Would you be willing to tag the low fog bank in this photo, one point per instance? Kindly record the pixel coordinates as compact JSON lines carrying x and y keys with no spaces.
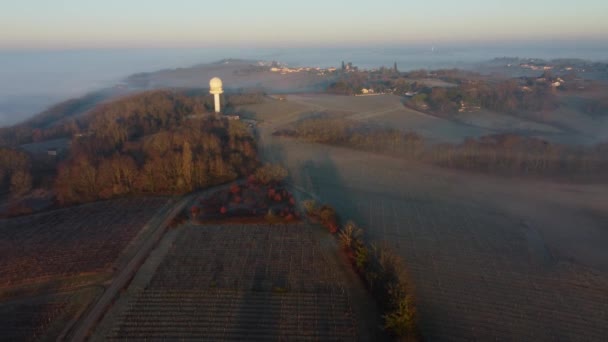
{"x":31,"y":81}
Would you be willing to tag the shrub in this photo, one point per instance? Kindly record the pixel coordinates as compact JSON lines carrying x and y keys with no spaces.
{"x":271,"y":173}
{"x":235,"y":189}
{"x":402,"y":320}
{"x":310,"y":206}
{"x":327,"y":214}
{"x":271,"y":217}
{"x":361,"y":256}
{"x":386,"y":279}
{"x":349,"y":235}
{"x":178,"y":219}
{"x":195,"y":210}
{"x":329,"y":218}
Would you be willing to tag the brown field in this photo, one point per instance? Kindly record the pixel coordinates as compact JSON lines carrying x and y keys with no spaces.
{"x":491,"y":258}
{"x":43,"y":318}
{"x":53,"y":264}
{"x":69,"y":242}
{"x":242,"y":282}
{"x":29,"y":321}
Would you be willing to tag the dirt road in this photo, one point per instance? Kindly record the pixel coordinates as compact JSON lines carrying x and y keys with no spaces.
{"x":159,"y":225}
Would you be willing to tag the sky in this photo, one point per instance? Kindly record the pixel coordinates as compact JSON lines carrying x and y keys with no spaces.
{"x":73,"y":24}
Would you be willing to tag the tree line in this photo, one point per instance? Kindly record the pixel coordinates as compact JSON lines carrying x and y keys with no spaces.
{"x":384,"y":272}
{"x":499,"y":153}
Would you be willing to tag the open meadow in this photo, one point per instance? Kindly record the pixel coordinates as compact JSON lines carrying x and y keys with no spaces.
{"x":491,"y":258}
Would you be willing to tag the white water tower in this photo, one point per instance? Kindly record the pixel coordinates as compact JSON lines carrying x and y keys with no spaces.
{"x":215,"y":88}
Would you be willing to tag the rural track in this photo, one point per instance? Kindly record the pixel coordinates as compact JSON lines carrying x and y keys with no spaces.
{"x":161,"y":222}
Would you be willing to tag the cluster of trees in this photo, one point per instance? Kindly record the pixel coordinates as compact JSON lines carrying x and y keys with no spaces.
{"x":270,"y":173}
{"x":325,"y":214}
{"x":149,"y":144}
{"x":156,"y":142}
{"x":130,"y":118}
{"x":15,"y":172}
{"x":384,"y":80}
{"x":26,"y":133}
{"x":390,"y":80}
{"x":346,"y":87}
{"x":385,"y":275}
{"x":502,"y":153}
{"x":58,"y":121}
{"x":357,"y":135}
{"x":504,"y":96}
{"x":147,"y":112}
{"x":514,"y":154}
{"x":382,"y":270}
{"x":508,"y":96}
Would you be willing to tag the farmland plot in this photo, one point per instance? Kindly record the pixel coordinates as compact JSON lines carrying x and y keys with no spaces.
{"x":70,"y":242}
{"x":29,"y":321}
{"x":479,"y":276}
{"x":490,"y":258}
{"x":248,"y":282}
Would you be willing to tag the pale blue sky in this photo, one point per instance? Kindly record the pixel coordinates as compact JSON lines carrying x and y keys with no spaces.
{"x":60,"y":24}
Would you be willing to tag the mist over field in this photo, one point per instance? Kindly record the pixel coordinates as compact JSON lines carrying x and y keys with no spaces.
{"x":31,"y":81}
{"x":303,"y":170}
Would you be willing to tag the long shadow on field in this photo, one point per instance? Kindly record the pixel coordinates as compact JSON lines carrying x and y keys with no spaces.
{"x":323,"y":179}
{"x":312,"y":174}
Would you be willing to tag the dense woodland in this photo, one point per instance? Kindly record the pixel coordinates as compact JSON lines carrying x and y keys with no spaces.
{"x":154,"y":143}
{"x":501,"y":153}
{"x":158,"y":142}
{"x":72,"y":117}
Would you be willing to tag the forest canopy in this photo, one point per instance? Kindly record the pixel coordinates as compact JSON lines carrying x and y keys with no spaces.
{"x":157,"y":142}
